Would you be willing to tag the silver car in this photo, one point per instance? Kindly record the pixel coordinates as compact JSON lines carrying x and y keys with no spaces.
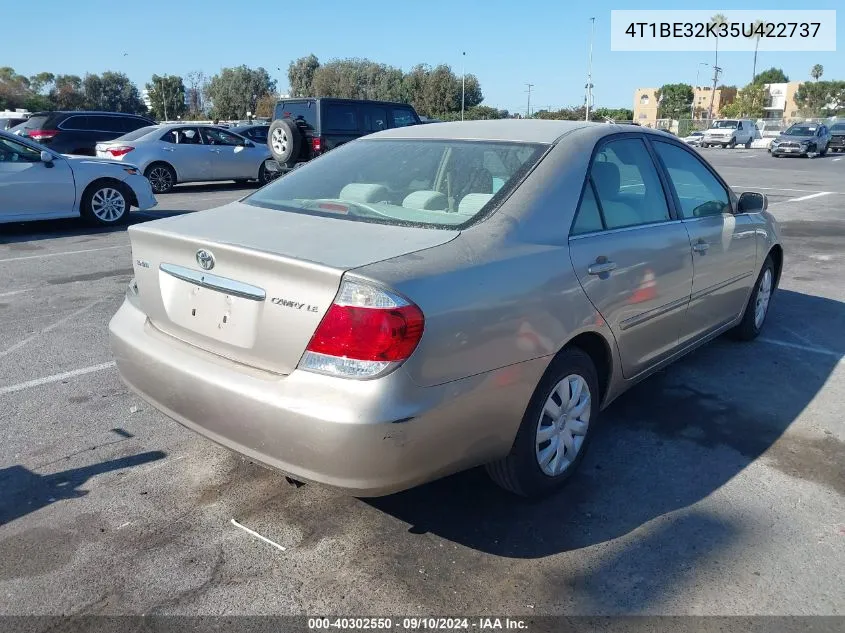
{"x":431,"y":298}
{"x":171,"y":154}
{"x":37,"y":183}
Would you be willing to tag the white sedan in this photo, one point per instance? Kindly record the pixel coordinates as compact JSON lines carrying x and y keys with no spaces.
{"x":38,"y":184}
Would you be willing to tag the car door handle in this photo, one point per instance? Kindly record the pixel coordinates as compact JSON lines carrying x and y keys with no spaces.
{"x":601,"y":268}
{"x":216,"y":151}
{"x":167,"y":149}
{"x":700,"y":247}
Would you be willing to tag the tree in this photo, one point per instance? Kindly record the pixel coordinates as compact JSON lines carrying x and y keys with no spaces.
{"x":615,"y":114}
{"x":301,"y":75}
{"x":67,"y":93}
{"x":820,"y":98}
{"x":817,"y":71}
{"x":749,"y":102}
{"x":771,"y":76}
{"x":197,"y":84}
{"x":265,"y":106}
{"x":41,"y":82}
{"x":112,"y":92}
{"x":756,"y":33}
{"x":167,"y":97}
{"x":236,"y":91}
{"x":675,"y":101}
{"x":14,"y":88}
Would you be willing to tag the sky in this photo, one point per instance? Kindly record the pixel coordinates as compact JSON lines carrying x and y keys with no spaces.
{"x":508,"y":44}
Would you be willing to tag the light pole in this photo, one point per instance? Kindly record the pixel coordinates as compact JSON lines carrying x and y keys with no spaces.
{"x":463,"y":82}
{"x":528,"y":111}
{"x":590,"y":71}
{"x":697,"y":75}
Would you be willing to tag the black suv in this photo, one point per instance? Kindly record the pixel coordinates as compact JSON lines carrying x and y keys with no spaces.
{"x":304,"y":128}
{"x":79,"y":132}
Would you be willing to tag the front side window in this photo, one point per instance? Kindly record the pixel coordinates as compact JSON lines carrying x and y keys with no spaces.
{"x":699,"y":191}
{"x":375,"y":118}
{"x":14,"y":152}
{"x":212,"y":136}
{"x":627,"y":186}
{"x":428,"y":183}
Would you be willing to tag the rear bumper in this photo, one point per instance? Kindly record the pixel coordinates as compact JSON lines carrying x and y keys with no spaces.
{"x":369,"y":438}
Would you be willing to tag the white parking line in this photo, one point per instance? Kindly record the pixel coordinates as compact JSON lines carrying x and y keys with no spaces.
{"x":46,"y":380}
{"x":804,"y":348}
{"x":836,"y":160}
{"x":14,"y":292}
{"x":258,"y":536}
{"x":810,"y":197}
{"x":87,"y":250}
{"x":44,"y":330}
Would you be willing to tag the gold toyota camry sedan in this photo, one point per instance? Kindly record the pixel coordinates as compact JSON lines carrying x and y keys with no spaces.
{"x":432,"y":298}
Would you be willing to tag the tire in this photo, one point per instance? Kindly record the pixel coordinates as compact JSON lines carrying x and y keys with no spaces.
{"x":264,"y":175}
{"x":285,"y":141}
{"x":731,"y":143}
{"x":520,"y":472}
{"x":162,"y":177}
{"x":752,"y":323}
{"x":105,"y":203}
{"x":748,"y":143}
{"x":823,"y":152}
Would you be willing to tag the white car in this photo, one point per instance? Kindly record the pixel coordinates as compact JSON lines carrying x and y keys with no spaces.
{"x":189,"y":152}
{"x":694,"y":138}
{"x":730,"y":133}
{"x":38,"y":184}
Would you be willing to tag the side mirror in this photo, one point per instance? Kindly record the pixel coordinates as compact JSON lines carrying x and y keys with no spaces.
{"x":752,"y":202}
{"x":46,"y":157}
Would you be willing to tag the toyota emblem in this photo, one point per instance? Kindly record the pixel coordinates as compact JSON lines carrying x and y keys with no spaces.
{"x":205,"y":259}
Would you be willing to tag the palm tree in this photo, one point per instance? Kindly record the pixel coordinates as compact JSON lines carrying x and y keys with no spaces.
{"x":817,"y":71}
{"x":716,"y":20}
{"x":755,"y":34}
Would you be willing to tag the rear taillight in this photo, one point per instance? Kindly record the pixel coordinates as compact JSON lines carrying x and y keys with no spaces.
{"x":316,"y":144}
{"x":119,"y":151}
{"x":41,"y":135}
{"x":365,"y":333}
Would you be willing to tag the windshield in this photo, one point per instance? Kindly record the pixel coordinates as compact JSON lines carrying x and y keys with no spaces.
{"x":801,"y":130}
{"x":141,"y":131}
{"x":724,"y":125}
{"x":434,"y":183}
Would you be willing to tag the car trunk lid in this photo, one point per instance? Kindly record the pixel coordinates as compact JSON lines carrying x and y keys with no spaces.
{"x":252,"y":284}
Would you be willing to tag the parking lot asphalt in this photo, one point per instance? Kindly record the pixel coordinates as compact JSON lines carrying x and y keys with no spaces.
{"x":714,"y":487}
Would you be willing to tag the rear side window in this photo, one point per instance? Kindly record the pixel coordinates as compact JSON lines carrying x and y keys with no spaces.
{"x":627,"y":186}
{"x":182,"y":136}
{"x":341,"y":117}
{"x":76,"y":123}
{"x":403,"y":117}
{"x":375,"y":118}
{"x":106,"y":124}
{"x":305,"y":112}
{"x":588,"y":218}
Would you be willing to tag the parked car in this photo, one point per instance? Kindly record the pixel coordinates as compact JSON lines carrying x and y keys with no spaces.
{"x":302,"y":129}
{"x":802,"y":139}
{"x":172,"y":154}
{"x":78,"y":132}
{"x":837,"y":137}
{"x":694,"y":138}
{"x":38,"y":183}
{"x":255,"y":133}
{"x":11,"y":118}
{"x":730,"y":133}
{"x":388,"y":314}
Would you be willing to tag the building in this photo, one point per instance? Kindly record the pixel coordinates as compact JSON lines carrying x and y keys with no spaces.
{"x":646,"y":103}
{"x":780,"y":101}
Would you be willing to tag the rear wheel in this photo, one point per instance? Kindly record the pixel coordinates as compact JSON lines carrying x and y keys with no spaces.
{"x":748,"y":143}
{"x":555,"y":430}
{"x":162,"y":177}
{"x":824,"y":151}
{"x":105,"y":203}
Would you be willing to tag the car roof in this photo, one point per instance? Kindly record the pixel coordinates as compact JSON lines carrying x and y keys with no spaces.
{"x":518,"y":130}
{"x":343,"y":100}
{"x":69,"y":112}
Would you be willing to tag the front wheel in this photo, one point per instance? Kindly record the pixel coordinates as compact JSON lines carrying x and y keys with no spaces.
{"x":105,"y":203}
{"x":731,"y":144}
{"x":748,"y":144}
{"x":555,"y":430}
{"x":824,"y":151}
{"x":757,"y":307}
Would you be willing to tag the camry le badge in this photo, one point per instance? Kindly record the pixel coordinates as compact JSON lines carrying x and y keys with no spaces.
{"x":205,"y":259}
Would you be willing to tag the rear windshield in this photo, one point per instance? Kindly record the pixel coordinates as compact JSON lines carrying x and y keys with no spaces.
{"x":431,"y":183}
{"x":303,"y":111}
{"x":35,"y":122}
{"x":141,"y":131}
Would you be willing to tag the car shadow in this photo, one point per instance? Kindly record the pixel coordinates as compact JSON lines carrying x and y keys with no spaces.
{"x":25,"y":491}
{"x":209,"y":187}
{"x":19,"y":232}
{"x":666,"y":444}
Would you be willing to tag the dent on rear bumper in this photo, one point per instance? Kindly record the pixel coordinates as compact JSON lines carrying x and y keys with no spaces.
{"x":367,"y":437}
